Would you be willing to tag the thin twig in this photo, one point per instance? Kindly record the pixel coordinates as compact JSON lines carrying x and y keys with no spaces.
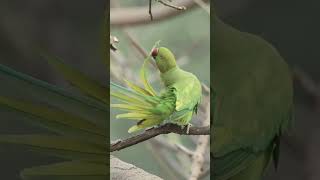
{"x":308,"y":85}
{"x":150,"y":11}
{"x":137,"y":15}
{"x":184,"y":149}
{"x":172,"y":6}
{"x":205,"y":88}
{"x":113,"y":41}
{"x":175,"y":166}
{"x":203,"y":5}
{"x":120,"y":69}
{"x":135,"y":43}
{"x":137,"y":46}
{"x":177,"y":148}
{"x":172,"y":168}
{"x":153,"y":132}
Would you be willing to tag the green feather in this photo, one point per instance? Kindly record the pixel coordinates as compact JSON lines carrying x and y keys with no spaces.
{"x":78,"y":79}
{"x":130,"y":107}
{"x":143,"y":74}
{"x":137,"y":116}
{"x":134,"y":94}
{"x":144,"y":124}
{"x":55,"y":96}
{"x":138,"y":89}
{"x":57,"y":120}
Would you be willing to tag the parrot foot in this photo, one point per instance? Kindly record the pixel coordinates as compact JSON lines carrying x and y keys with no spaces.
{"x":188,"y":127}
{"x":148,"y":129}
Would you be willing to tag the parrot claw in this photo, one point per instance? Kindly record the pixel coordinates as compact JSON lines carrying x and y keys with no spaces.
{"x":148,"y":129}
{"x":188,"y":127}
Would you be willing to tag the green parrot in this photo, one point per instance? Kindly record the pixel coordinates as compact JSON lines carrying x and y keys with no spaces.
{"x":176,"y":103}
{"x":252,"y":103}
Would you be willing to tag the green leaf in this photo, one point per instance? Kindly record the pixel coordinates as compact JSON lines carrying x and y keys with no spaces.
{"x":73,"y":170}
{"x":58,"y":120}
{"x":22,"y":86}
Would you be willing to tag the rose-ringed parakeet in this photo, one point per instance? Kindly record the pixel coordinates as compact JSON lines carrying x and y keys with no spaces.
{"x":176,"y":103}
{"x":252,"y":103}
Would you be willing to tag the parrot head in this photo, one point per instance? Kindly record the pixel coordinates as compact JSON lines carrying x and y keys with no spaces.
{"x":164,"y":58}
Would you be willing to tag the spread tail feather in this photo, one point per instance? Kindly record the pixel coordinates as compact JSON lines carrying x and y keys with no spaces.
{"x":139,"y":103}
{"x":143,"y":124}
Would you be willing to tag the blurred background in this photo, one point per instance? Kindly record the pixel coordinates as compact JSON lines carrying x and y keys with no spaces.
{"x":69,"y":29}
{"x":187,"y":34}
{"x":291,"y":27}
{"x":72,"y":30}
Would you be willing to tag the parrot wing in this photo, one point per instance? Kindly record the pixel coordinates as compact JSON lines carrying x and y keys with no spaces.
{"x":78,"y":79}
{"x":254,"y":95}
{"x":252,"y":103}
{"x":188,"y":93}
{"x":141,"y":105}
{"x":241,"y":164}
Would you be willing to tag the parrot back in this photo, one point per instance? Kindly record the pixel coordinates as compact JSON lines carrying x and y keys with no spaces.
{"x":187,"y":90}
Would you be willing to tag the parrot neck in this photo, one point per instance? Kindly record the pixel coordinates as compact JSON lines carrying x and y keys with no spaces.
{"x":165,"y":60}
{"x":171,"y":76}
{"x":170,"y":70}
{"x":165,"y":67}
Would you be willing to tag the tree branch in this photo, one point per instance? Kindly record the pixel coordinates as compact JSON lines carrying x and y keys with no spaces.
{"x":197,"y":166}
{"x":139,"y":15}
{"x":150,"y":11}
{"x":113,"y":41}
{"x":179,"y":8}
{"x":308,"y":85}
{"x":198,"y":162}
{"x":176,"y":148}
{"x":123,"y":171}
{"x":153,"y":132}
{"x":203,"y":5}
{"x":172,"y":167}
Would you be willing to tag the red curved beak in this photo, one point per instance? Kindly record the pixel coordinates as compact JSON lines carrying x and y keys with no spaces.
{"x":154,"y":52}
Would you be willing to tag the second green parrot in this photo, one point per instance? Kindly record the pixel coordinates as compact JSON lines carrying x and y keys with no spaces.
{"x":176,"y":103}
{"x":252,"y":103}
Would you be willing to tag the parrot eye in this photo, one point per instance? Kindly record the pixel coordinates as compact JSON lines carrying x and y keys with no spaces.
{"x":154,"y":52}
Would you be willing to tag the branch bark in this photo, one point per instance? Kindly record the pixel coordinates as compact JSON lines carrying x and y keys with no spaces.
{"x":153,"y":132}
{"x":139,"y":15}
{"x":123,"y":171}
{"x":197,"y":166}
